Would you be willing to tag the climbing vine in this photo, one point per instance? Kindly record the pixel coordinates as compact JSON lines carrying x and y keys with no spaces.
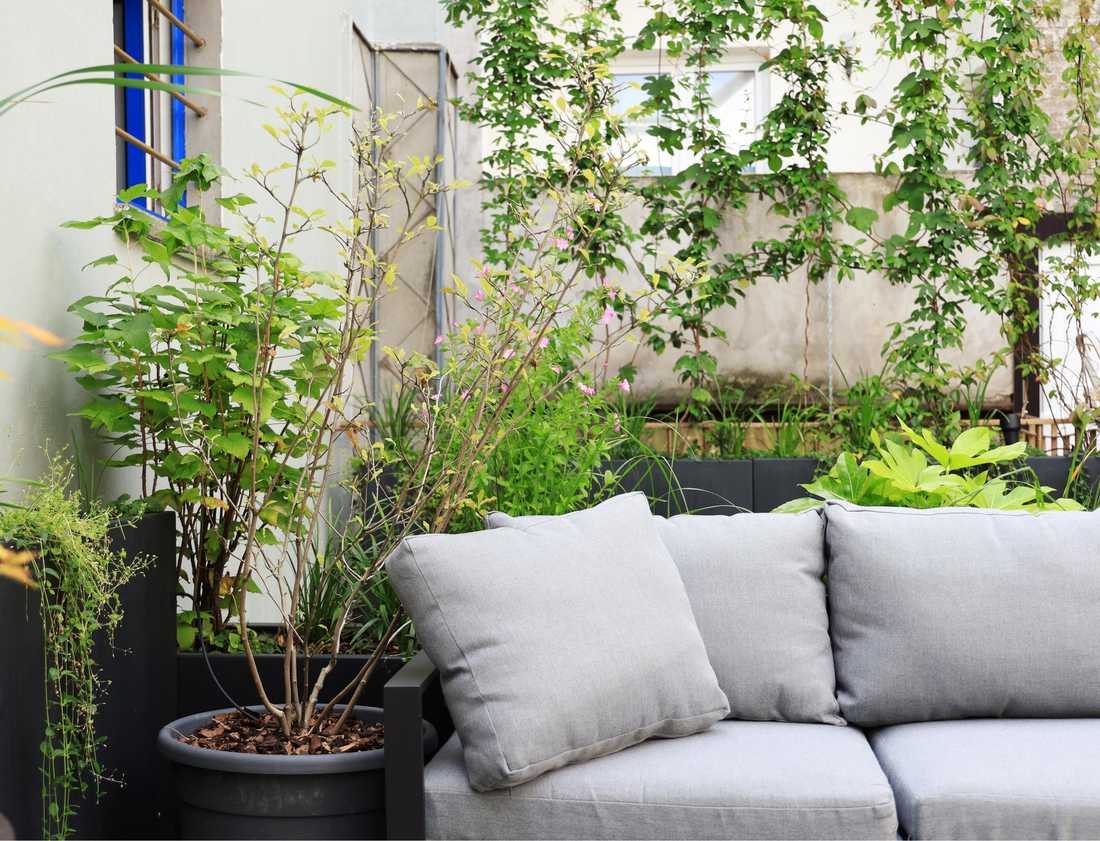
{"x":971,"y":165}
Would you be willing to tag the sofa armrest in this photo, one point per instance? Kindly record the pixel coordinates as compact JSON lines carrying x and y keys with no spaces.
{"x":403,"y":706}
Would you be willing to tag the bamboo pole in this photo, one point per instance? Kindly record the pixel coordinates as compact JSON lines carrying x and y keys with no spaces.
{"x":126,"y":58}
{"x":146,"y":148}
{"x":196,"y":39}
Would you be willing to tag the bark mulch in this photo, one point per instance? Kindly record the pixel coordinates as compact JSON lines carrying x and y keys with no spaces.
{"x":236,"y":733}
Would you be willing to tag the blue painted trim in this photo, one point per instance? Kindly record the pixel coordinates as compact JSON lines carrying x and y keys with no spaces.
{"x":179,"y":112}
{"x":133,"y":41}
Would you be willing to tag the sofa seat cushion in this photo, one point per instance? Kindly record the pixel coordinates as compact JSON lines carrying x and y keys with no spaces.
{"x":994,"y":778}
{"x":740,"y":779}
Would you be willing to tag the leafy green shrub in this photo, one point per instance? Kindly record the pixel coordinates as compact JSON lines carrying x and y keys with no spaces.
{"x":183,"y":377}
{"x":926,"y":474}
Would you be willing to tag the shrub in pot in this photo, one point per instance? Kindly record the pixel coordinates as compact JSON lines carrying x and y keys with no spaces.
{"x":244,"y":393}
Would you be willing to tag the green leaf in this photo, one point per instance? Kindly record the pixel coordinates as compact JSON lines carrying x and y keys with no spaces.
{"x":243,"y":395}
{"x":137,"y":331}
{"x":234,"y":443}
{"x":185,"y":636}
{"x":861,"y":218}
{"x":797,"y":506}
{"x":82,"y":358}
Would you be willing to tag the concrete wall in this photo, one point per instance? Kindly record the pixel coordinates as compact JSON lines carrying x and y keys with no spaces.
{"x":58,"y":164}
{"x":767,"y":331}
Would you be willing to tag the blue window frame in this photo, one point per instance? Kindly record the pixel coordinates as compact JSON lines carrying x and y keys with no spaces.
{"x":135,"y":114}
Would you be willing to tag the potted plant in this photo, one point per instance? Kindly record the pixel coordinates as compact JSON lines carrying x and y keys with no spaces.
{"x":230,"y":387}
{"x":85,"y":621}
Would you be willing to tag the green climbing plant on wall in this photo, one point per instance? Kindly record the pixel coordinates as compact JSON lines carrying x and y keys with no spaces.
{"x":970,"y":166}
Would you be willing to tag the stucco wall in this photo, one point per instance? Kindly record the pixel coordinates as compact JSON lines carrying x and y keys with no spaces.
{"x":766,"y":333}
{"x":58,"y":164}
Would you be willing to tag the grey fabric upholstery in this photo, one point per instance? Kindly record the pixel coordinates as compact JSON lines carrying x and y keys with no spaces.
{"x":754,"y":582}
{"x":994,"y":778}
{"x":736,"y":780}
{"x":568,"y":639}
{"x":963,"y":613}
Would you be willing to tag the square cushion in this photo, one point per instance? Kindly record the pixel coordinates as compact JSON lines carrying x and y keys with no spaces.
{"x":963,"y":613}
{"x":994,"y":778}
{"x":567,"y":639}
{"x":754,"y":583}
{"x":740,"y":779}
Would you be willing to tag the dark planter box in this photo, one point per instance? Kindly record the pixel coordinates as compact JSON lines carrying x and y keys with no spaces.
{"x":701,"y":487}
{"x":140,"y":697}
{"x":1053,"y":471}
{"x":198,"y":692}
{"x":778,"y":480}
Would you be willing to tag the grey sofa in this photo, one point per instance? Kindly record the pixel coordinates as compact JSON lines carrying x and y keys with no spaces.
{"x":966,"y":647}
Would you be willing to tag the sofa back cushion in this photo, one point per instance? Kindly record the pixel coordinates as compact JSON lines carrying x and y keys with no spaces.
{"x":755,"y":586}
{"x":960,"y":613}
{"x":557,"y":642}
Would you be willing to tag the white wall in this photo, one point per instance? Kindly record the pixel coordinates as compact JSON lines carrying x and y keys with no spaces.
{"x":58,"y":163}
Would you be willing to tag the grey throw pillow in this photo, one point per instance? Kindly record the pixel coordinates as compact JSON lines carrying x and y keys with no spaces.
{"x":755,"y":586}
{"x":960,"y":613}
{"x":561,"y":641}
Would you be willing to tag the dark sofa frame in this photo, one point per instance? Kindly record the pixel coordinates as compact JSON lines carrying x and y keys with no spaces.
{"x":410,"y":697}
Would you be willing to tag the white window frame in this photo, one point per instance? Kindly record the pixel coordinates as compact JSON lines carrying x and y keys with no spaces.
{"x":736,"y":60}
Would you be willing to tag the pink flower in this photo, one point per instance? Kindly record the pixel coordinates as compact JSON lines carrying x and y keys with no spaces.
{"x":556,"y":369}
{"x":594,"y":201}
{"x":484,"y":272}
{"x":558,"y":242}
{"x":508,"y":353}
{"x":479,"y":295}
{"x":618,"y":426}
{"x":624,"y":386}
{"x":544,"y":343}
{"x":438,"y":341}
{"x":586,"y":389}
{"x":608,"y":315}
{"x":569,"y":232}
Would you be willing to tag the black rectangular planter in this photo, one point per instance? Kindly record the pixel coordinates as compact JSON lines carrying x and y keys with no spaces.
{"x":702,"y":486}
{"x":1053,"y":471}
{"x":139,"y":698}
{"x":778,"y":480}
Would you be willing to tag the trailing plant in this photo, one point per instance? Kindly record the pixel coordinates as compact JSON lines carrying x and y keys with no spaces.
{"x":917,"y":471}
{"x":65,"y":540}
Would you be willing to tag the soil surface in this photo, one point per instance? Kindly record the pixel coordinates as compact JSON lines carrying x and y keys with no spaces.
{"x":237,"y":733}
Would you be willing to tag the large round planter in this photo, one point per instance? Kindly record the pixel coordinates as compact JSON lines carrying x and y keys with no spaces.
{"x":238,"y":795}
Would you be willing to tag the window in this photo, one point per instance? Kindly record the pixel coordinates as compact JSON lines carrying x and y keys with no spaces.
{"x":151,"y":125}
{"x":738,"y":91}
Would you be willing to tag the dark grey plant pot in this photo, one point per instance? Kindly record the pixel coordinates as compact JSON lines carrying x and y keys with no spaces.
{"x":241,"y":796}
{"x":779,"y":480}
